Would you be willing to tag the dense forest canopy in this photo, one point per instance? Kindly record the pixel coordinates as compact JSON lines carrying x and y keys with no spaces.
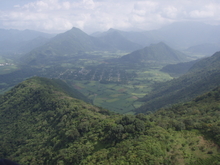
{"x":42,"y":124}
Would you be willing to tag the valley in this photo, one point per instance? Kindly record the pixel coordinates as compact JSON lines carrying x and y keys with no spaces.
{"x":107,"y":83}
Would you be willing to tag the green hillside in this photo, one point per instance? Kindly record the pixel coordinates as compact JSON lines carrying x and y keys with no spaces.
{"x":202,"y":77}
{"x":41,"y":124}
{"x":159,"y":53}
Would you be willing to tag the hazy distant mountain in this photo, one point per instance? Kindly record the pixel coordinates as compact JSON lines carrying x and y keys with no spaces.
{"x":156,"y":53}
{"x":202,"y":77}
{"x":140,"y":38}
{"x":32,"y":44}
{"x":187,"y":34}
{"x":22,"y":46}
{"x":118,"y":41}
{"x":17,"y":41}
{"x":179,"y":35}
{"x":21,"y":35}
{"x":204,"y":49}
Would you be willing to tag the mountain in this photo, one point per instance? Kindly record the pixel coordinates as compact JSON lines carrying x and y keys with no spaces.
{"x":21,"y":35}
{"x":32,"y":44}
{"x":41,"y":111}
{"x":179,"y":35}
{"x":118,"y":41}
{"x":41,"y":124}
{"x":17,"y":41}
{"x":160,"y":53}
{"x":64,"y":45}
{"x":17,"y":49}
{"x":143,"y":38}
{"x":204,"y":49}
{"x":202,"y":77}
{"x":179,"y":69}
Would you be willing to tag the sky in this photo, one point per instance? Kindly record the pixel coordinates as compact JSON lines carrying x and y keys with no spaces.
{"x":54,"y":16}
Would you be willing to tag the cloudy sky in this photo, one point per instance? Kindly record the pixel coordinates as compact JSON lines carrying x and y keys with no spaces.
{"x":99,"y":15}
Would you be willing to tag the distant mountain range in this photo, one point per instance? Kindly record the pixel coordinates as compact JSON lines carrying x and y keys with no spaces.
{"x":179,"y":35}
{"x":160,"y":53}
{"x":202,"y":77}
{"x":184,"y":36}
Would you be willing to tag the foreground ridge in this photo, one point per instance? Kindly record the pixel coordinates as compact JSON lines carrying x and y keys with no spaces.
{"x":42,"y":124}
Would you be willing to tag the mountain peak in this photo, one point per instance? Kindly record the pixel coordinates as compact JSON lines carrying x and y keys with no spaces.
{"x":159,"y":44}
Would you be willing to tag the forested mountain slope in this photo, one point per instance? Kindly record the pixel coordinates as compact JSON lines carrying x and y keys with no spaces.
{"x":41,"y":124}
{"x":202,"y":77}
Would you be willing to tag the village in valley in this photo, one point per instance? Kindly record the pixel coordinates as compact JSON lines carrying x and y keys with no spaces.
{"x":6,"y":64}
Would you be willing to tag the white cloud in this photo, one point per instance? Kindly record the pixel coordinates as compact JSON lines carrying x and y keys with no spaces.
{"x":170,"y":12}
{"x":94,"y":15}
{"x":201,"y":14}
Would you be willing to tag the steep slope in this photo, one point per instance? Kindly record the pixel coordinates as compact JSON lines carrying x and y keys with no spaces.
{"x":40,"y":124}
{"x":160,"y":53}
{"x":179,"y":69}
{"x":118,"y":41}
{"x":202,"y":77}
{"x":63,"y":46}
